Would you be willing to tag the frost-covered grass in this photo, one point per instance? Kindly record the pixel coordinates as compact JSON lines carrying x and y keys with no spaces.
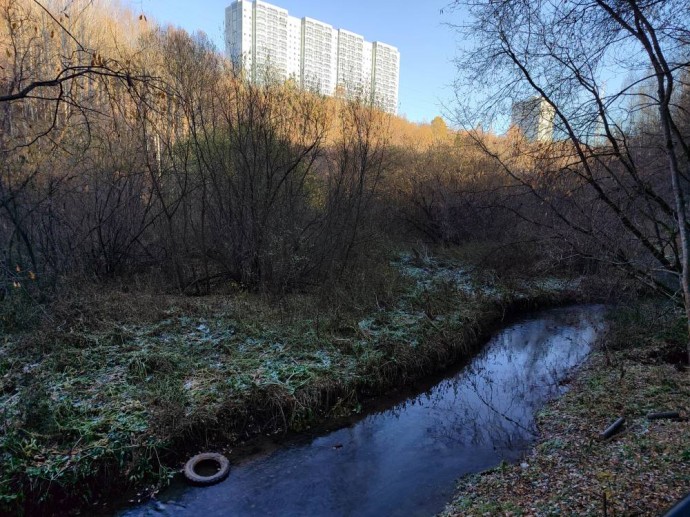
{"x":115,"y":387}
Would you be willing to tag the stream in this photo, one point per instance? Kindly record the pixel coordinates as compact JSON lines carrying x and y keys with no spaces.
{"x":405,"y":459}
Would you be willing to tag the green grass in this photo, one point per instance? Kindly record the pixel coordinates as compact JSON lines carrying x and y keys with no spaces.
{"x":111,"y":392}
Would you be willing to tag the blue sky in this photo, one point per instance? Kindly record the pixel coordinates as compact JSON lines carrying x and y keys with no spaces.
{"x":427,"y":46}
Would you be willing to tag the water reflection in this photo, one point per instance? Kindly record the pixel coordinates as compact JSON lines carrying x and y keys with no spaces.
{"x":405,"y":460}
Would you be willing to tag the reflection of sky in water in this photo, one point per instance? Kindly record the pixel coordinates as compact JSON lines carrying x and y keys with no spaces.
{"x":404,"y":461}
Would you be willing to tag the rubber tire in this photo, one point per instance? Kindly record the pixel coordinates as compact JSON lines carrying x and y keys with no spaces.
{"x":219,"y":476}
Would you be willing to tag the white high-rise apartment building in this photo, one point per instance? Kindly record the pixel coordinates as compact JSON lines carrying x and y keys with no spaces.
{"x":269,"y":43}
{"x":385,"y":80}
{"x":261,"y":34}
{"x":319,"y":56}
{"x":294,"y":57}
{"x":350,"y":61}
{"x":534,"y":117}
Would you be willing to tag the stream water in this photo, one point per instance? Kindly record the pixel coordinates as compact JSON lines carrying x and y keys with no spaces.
{"x":405,"y":459}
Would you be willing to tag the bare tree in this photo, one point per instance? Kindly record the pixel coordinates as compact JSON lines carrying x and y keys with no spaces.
{"x":47,"y":67}
{"x":62,"y":86}
{"x":598,"y":177}
{"x":265,"y":185}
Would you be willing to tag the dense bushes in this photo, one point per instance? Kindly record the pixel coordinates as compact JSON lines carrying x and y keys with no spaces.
{"x":196,"y":175}
{"x":191,"y":177}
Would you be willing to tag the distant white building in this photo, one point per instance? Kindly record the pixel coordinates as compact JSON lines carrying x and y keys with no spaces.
{"x":239,"y":33}
{"x":534,"y":117}
{"x":319,"y":56}
{"x":350,"y":72}
{"x":385,"y":76}
{"x":269,"y":43}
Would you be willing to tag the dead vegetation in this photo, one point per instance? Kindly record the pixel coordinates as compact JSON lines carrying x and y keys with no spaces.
{"x":643,"y":470}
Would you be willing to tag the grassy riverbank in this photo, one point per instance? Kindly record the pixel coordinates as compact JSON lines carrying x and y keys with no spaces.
{"x":641,"y":471}
{"x":114,"y":389}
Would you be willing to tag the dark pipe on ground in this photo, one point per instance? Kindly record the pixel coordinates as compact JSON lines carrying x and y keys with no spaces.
{"x":663,"y":415}
{"x":612,"y":429}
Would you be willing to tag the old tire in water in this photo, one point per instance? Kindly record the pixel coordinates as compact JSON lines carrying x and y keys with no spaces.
{"x":207,"y":460}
